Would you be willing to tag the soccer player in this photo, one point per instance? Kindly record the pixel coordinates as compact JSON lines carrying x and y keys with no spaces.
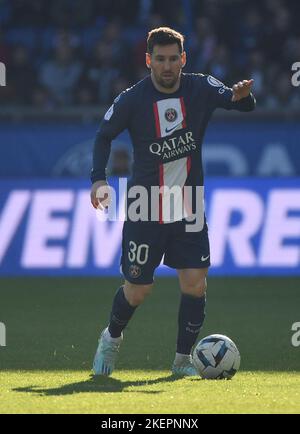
{"x":166,"y":115}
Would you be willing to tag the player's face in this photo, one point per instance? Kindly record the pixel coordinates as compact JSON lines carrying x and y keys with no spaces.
{"x":166,"y":63}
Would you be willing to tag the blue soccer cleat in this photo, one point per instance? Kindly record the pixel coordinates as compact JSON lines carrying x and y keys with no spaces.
{"x":185,"y":368}
{"x":106,"y":354}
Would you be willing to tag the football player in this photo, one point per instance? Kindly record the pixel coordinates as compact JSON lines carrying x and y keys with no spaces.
{"x":166,"y":115}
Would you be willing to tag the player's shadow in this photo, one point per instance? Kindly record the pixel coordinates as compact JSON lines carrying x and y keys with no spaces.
{"x":99,"y":384}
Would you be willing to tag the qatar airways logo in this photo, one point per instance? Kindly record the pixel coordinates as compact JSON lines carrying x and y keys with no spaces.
{"x":174,"y":147}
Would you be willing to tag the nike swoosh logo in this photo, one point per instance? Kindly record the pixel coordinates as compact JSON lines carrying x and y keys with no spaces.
{"x":169,"y":130}
{"x":204,"y":258}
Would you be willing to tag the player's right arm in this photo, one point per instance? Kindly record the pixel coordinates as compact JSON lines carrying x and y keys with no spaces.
{"x":115,"y":120}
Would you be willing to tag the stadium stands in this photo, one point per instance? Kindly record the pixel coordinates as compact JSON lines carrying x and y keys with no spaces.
{"x":104,"y":44}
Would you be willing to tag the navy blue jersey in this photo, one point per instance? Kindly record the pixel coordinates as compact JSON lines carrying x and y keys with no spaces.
{"x":166,"y":130}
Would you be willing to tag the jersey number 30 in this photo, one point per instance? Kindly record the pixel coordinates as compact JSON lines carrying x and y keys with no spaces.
{"x":137,"y":253}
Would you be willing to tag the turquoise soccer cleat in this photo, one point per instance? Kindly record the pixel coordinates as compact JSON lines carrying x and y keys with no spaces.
{"x":185,"y":368}
{"x":106,"y":354}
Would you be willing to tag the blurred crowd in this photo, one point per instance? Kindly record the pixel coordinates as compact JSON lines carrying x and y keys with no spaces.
{"x":85,"y":52}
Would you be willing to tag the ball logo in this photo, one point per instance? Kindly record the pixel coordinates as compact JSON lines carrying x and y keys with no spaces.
{"x":134,"y":271}
{"x":171,"y":115}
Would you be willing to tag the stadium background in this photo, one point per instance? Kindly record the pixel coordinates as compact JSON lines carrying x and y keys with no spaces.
{"x":65,"y":62}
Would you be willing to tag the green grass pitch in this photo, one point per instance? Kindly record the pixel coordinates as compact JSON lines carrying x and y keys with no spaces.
{"x":52,"y":326}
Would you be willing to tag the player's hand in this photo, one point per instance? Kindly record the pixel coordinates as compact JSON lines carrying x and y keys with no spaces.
{"x":241,"y":90}
{"x":100,"y":195}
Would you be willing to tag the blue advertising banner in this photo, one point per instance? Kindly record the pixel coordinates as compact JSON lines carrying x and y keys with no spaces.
{"x":230,"y":148}
{"x":48,"y":227}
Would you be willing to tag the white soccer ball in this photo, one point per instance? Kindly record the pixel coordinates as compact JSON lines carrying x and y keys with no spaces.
{"x":216,"y":357}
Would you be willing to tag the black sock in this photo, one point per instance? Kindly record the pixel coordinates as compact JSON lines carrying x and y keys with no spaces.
{"x":190,"y":319}
{"x":120,"y":314}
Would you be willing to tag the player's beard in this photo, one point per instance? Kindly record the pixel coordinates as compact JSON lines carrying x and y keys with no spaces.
{"x":167,"y":83}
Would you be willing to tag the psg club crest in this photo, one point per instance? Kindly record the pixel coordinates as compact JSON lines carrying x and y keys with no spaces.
{"x":171,"y":115}
{"x":134,"y":271}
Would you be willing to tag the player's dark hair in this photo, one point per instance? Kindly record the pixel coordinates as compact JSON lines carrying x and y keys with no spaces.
{"x":164,"y":36}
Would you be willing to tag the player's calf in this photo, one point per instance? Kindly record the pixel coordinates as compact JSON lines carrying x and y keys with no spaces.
{"x":193,"y":281}
{"x":136,"y":294}
{"x":191,"y":313}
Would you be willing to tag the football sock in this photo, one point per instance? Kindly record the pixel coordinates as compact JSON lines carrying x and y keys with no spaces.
{"x":181,"y":359}
{"x":108,"y":337}
{"x":120,"y":315}
{"x":190,"y":319}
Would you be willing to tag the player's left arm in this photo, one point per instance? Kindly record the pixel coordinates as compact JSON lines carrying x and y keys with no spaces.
{"x":239,"y":97}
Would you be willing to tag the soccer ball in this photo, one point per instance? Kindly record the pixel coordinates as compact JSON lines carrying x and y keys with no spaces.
{"x":216,"y":357}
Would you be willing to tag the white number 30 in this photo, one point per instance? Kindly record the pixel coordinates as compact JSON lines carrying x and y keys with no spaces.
{"x":139,"y":253}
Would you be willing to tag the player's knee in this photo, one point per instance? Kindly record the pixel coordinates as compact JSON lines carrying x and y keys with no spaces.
{"x":193,"y":281}
{"x":136,"y":294}
{"x":196,"y":288}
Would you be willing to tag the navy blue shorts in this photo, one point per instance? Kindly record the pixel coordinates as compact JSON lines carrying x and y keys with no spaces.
{"x":145,"y":243}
